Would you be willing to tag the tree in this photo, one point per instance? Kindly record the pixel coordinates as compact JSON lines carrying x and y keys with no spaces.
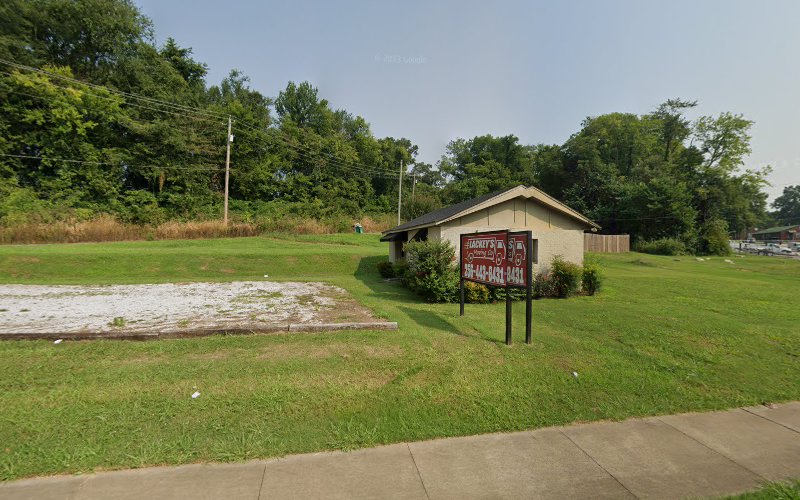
{"x":48,"y":121}
{"x":300,"y":104}
{"x":484,"y":164}
{"x":787,"y":206}
{"x":723,"y":141}
{"x":673,"y":127}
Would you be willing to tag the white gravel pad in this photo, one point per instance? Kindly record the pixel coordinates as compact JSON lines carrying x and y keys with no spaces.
{"x":163,"y":307}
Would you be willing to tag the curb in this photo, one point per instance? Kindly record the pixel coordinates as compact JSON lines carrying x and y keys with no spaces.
{"x":289,"y":328}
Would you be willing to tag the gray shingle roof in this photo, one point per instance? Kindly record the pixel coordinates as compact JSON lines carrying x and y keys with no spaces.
{"x":776,"y":229}
{"x":446,"y":212}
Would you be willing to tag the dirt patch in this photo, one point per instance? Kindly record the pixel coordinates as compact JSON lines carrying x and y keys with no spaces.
{"x":142,"y":360}
{"x":290,"y":351}
{"x":363,"y":380}
{"x":168,"y":308}
{"x":25,"y":259}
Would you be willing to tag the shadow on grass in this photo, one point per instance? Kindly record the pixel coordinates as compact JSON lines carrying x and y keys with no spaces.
{"x":367,"y":273}
{"x":430,"y":320}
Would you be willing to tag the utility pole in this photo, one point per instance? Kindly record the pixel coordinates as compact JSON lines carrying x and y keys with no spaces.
{"x":227,"y":170}
{"x":414,"y":185}
{"x":400,"y":192}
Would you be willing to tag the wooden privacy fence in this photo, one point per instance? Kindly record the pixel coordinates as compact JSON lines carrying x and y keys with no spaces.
{"x":606,"y":243}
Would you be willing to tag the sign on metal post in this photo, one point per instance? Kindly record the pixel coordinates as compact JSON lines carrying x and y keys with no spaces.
{"x":499,"y":258}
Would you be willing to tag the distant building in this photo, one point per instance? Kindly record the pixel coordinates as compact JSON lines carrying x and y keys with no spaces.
{"x":782,"y":233}
{"x":557,"y":229}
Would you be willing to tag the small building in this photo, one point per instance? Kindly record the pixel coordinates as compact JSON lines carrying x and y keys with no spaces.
{"x":780,"y":233}
{"x":557,"y":229}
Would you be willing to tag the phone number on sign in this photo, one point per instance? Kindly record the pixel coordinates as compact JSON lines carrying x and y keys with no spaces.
{"x":488,"y":274}
{"x":494,"y":274}
{"x":516,"y":276}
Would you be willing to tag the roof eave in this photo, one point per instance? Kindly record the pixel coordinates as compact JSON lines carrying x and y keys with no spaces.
{"x":508,"y":194}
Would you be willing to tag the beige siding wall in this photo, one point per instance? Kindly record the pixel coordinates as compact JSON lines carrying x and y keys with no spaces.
{"x":567,"y":243}
{"x":556,"y":234}
{"x":394,"y":251}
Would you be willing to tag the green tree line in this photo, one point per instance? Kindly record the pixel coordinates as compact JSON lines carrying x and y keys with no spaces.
{"x":99,"y":119}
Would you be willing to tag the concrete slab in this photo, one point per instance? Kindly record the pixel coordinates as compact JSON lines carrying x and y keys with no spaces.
{"x":42,"y":488}
{"x":540,"y":464}
{"x":383,"y":472}
{"x":787,"y":414}
{"x":654,"y":460}
{"x":208,"y":481}
{"x":762,"y":446}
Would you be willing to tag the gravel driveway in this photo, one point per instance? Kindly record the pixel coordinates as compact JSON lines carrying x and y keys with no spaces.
{"x":173,"y":307}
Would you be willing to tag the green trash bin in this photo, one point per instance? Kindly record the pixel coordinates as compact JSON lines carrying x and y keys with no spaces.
{"x":359,"y":229}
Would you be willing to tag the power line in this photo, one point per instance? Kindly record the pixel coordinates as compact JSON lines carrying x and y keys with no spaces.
{"x":182,"y":115}
{"x":203,"y":114}
{"x":153,"y":100}
{"x":120,"y":164}
{"x":334,"y":160}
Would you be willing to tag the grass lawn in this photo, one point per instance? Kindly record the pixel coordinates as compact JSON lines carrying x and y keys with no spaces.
{"x":665,"y":335}
{"x":772,"y":491}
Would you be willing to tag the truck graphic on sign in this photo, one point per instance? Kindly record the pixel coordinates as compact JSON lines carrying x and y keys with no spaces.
{"x":490,"y":249}
{"x":517,"y":255}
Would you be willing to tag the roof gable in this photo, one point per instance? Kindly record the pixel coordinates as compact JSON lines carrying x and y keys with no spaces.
{"x":479,"y":203}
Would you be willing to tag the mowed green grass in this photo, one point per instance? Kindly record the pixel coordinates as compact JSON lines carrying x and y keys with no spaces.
{"x":665,"y":335}
{"x":772,"y":491}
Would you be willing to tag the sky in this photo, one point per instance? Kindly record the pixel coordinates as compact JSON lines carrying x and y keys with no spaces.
{"x":436,"y":71}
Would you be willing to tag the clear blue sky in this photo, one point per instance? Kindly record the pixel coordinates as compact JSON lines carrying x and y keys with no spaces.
{"x":435,"y":71}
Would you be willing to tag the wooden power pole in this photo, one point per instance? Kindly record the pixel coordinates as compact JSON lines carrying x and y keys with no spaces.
{"x":227,"y":170}
{"x":400,"y":192}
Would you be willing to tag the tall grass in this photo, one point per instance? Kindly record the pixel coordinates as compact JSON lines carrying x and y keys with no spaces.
{"x":105,"y":228}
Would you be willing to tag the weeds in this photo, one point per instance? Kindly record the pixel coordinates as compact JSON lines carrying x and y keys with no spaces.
{"x":105,"y":228}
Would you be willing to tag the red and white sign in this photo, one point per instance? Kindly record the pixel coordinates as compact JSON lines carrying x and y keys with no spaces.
{"x":517,"y":265}
{"x":495,"y":258}
{"x":483,"y":257}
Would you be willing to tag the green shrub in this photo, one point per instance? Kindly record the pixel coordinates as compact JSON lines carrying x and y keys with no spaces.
{"x":542,"y":285}
{"x":434,"y":287}
{"x":476,"y":293}
{"x":426,"y":257}
{"x":386,"y":269}
{"x":430,"y":272}
{"x":662,"y":246}
{"x":591,"y":279}
{"x":714,"y":238}
{"x":399,"y":269}
{"x":498,"y":293}
{"x":565,"y":277}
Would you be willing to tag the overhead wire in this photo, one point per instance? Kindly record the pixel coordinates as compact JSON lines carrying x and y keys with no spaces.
{"x":182,"y":115}
{"x":332,"y":159}
{"x":119,"y":164}
{"x":198,"y":113}
{"x":152,"y":100}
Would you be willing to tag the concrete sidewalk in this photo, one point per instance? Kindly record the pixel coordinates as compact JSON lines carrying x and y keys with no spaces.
{"x":678,"y":456}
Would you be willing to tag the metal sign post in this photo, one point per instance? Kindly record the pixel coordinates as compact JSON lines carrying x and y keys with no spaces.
{"x":502,"y":259}
{"x":529,"y":289}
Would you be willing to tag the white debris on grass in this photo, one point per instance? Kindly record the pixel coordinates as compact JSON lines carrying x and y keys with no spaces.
{"x":699,"y":259}
{"x":58,"y":341}
{"x":195,"y":394}
{"x":575,"y":374}
{"x":729,"y":261}
{"x":163,"y":307}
